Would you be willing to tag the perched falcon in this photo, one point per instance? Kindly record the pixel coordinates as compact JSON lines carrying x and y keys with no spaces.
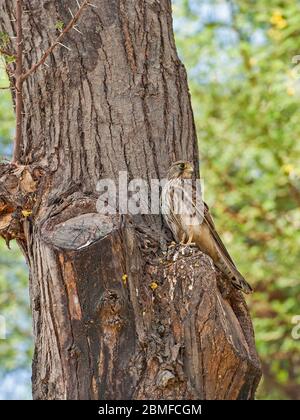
{"x":190,"y":221}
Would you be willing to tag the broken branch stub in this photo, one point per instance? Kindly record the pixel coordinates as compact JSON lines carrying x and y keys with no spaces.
{"x":183,"y":339}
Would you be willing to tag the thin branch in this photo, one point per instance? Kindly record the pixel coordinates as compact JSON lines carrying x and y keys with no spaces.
{"x":19,"y":82}
{"x":77,"y":30}
{"x":63,"y":45}
{"x":70,"y":25}
{"x":5,"y":87}
{"x":20,"y":77}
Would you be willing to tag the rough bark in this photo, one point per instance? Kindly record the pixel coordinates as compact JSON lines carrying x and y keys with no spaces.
{"x":117,"y":313}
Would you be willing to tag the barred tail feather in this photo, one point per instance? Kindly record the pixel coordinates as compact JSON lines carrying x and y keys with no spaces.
{"x":231,"y":272}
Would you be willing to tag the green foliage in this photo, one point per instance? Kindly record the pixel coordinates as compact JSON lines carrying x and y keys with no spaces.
{"x":10,"y":59}
{"x":16,"y":348}
{"x":245,"y":88}
{"x":14,"y":307}
{"x":4,"y":39}
{"x":59,"y":25}
{"x":7,"y":118}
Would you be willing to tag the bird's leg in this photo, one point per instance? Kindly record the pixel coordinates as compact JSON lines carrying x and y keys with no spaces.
{"x":183,"y":239}
{"x":190,"y":238}
{"x":190,"y":243}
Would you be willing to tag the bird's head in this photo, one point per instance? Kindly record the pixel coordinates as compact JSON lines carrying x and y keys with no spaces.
{"x":181,"y":169}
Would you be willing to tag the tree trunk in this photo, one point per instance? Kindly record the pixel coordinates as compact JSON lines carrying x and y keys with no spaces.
{"x":117,"y":313}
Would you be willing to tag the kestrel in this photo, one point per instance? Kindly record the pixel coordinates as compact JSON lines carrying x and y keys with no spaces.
{"x":190,"y":221}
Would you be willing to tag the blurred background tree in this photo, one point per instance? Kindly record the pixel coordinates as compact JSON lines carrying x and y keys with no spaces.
{"x":245,"y":88}
{"x":16,"y":349}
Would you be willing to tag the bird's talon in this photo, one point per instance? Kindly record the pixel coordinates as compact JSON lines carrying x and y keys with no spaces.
{"x":193,"y":245}
{"x":172,"y":245}
{"x":188,"y":244}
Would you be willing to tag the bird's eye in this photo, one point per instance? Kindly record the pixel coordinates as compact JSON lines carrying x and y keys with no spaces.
{"x":181,"y":166}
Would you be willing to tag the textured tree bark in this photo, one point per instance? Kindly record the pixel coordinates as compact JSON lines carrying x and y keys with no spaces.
{"x":117,"y":313}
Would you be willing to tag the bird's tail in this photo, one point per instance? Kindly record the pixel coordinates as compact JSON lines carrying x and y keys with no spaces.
{"x":232,"y":273}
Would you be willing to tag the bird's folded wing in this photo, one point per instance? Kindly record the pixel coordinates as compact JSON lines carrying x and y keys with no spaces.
{"x":237,"y":279}
{"x":210,"y":223}
{"x":201,"y":212}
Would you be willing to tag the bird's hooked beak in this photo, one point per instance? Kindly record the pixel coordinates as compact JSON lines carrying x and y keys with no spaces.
{"x":188,"y":170}
{"x":181,"y":169}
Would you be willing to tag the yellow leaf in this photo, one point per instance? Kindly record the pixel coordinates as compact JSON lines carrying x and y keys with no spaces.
{"x":153,"y":285}
{"x":26,"y":213}
{"x":124,"y":278}
{"x":278,"y":20}
{"x":291,"y":91}
{"x":288,"y":168}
